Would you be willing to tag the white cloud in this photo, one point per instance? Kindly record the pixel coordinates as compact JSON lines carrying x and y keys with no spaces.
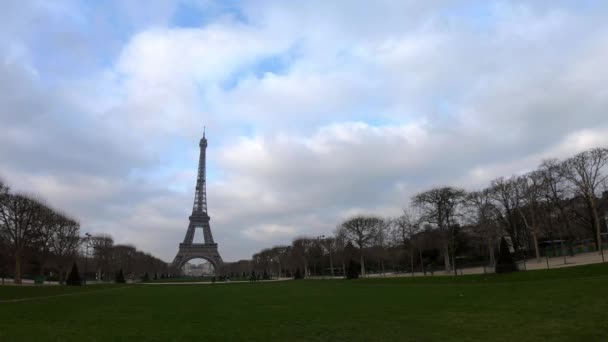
{"x":316,"y":110}
{"x":268,"y":233}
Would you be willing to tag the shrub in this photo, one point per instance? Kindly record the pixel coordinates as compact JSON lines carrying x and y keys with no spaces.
{"x":352,"y":271}
{"x":297,"y":274}
{"x":120,"y":277}
{"x":145,"y":277}
{"x":74,"y":277}
{"x":505,"y":262}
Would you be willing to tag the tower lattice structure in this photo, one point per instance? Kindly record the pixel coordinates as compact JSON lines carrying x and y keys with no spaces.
{"x":199,"y":219}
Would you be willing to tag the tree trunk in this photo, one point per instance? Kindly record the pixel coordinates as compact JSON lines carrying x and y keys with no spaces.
{"x":535,"y":235}
{"x":561,"y":238}
{"x":412,"y":259}
{"x":491,"y":252}
{"x":60,"y":275}
{"x":362,"y":264}
{"x":568,"y":230}
{"x":532,"y":230}
{"x":535,"y":241}
{"x":421,"y":262}
{"x":596,"y":223}
{"x":454,"y":266}
{"x":561,"y":242}
{"x":331,"y":265}
{"x":17,"y":279}
{"x":446,"y":257}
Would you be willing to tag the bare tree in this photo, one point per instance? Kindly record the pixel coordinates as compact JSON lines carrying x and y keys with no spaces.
{"x":585,"y":172}
{"x":555,"y":190}
{"x":103,"y":254}
{"x":530,"y":187}
{"x":301,"y":248}
{"x":3,"y":188}
{"x":123,"y":257}
{"x":329,"y":244}
{"x":47,"y":223}
{"x":64,"y":243}
{"x":18,"y":217}
{"x":483,"y":213}
{"x":262,"y":260}
{"x":277,"y":256}
{"x":508,"y":200}
{"x":4,"y":246}
{"x":340,"y":247}
{"x":404,"y":229}
{"x":439,"y":206}
{"x":379,"y":243}
{"x":361,"y":231}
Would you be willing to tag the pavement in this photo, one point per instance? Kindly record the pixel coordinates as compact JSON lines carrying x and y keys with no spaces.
{"x":216,"y":283}
{"x":529,"y":264}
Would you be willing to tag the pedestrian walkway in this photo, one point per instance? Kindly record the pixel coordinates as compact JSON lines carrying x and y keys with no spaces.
{"x":529,"y":264}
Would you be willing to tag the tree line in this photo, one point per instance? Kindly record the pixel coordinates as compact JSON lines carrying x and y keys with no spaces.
{"x":39,"y":240}
{"x":560,"y":208}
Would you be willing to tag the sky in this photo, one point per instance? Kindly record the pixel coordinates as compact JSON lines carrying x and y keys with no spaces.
{"x":314,"y":110}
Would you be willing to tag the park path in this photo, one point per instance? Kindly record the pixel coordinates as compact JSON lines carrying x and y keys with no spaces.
{"x":530,"y":264}
{"x":216,"y":283}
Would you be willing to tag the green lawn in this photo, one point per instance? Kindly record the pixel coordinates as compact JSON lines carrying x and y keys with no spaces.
{"x":558,"y":305}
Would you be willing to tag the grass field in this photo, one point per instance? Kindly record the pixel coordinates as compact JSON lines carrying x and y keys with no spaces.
{"x":568,"y":304}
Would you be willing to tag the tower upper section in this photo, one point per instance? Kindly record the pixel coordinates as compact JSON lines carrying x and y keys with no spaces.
{"x":203,"y":143}
{"x":200,"y":193}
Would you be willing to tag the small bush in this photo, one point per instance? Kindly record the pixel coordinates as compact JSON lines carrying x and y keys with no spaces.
{"x":74,"y":277}
{"x":505,"y":262}
{"x":352,"y":271}
{"x":120,"y":277}
{"x":297,"y":274}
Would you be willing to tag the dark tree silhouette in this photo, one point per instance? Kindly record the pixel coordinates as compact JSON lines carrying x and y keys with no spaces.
{"x":120,"y":277}
{"x":505,"y":263}
{"x":351,"y":270}
{"x":362,"y":230}
{"x":74,"y":277}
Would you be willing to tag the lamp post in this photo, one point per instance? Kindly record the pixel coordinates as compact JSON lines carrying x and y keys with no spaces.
{"x":86,"y":255}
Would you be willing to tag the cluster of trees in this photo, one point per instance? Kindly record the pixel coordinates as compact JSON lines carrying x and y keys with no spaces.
{"x":108,"y":259}
{"x":30,"y":229}
{"x":560,"y":204}
{"x":36,"y":239}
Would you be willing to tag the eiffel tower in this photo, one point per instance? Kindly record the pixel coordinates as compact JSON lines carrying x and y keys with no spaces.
{"x":189,"y":250}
